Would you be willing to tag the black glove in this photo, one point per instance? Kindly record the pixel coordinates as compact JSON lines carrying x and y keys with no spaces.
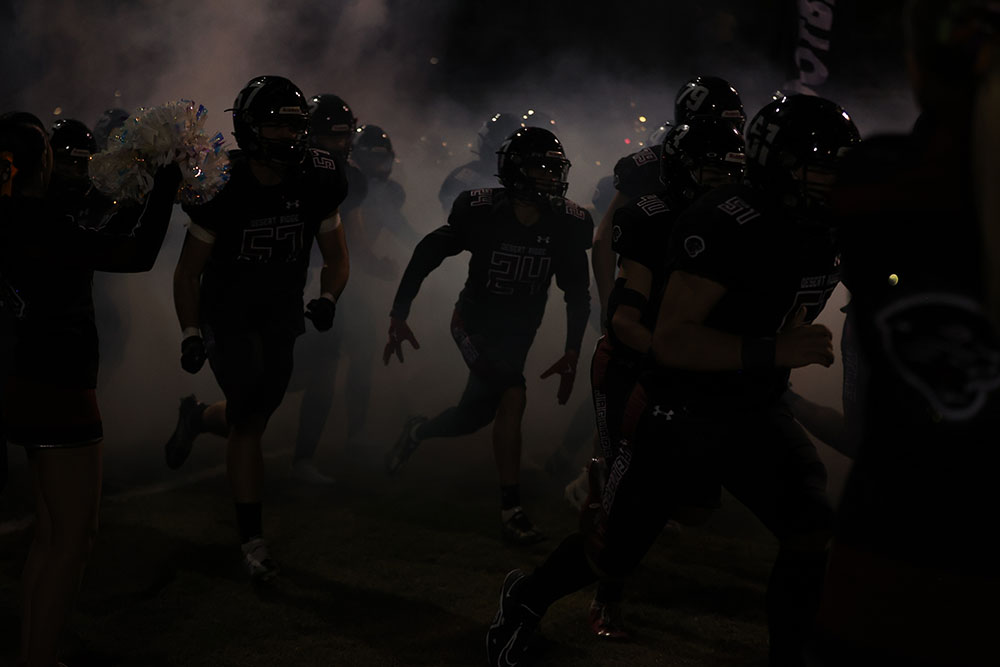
{"x":321,"y":312}
{"x":193,"y":354}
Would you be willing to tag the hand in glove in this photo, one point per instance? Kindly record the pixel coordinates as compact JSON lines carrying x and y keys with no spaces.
{"x":321,"y":312}
{"x":193,"y":354}
{"x":566,"y":368}
{"x":398,"y":332}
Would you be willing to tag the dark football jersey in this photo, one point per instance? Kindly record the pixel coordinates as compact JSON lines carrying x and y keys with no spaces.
{"x":640,"y":233}
{"x":771,"y":263}
{"x":263,"y":236}
{"x":475,"y":175}
{"x":639,"y":173}
{"x":511,"y":265}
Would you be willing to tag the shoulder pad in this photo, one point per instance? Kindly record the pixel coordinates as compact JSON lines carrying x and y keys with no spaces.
{"x":321,"y":159}
{"x":737,"y":203}
{"x":573,"y":209}
{"x":480,"y":198}
{"x":651,"y":205}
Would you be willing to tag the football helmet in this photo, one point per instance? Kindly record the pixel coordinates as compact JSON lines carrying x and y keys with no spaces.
{"x":72,"y":141}
{"x":372,"y":150}
{"x":657,"y":135}
{"x":705,"y":143}
{"x":709,"y":96}
{"x":275,"y":102}
{"x":532,"y":165}
{"x":108,"y":122}
{"x":72,"y":145}
{"x":793,"y":136}
{"x":332,"y":123}
{"x":493,"y":131}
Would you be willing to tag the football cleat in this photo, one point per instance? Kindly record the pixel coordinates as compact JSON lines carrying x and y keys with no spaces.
{"x":405,"y":445}
{"x":513,"y":626}
{"x":516,"y":528}
{"x":257,"y":560}
{"x":188,"y":427}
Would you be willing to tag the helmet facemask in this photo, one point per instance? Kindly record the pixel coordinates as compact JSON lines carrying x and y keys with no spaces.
{"x":282,"y":143}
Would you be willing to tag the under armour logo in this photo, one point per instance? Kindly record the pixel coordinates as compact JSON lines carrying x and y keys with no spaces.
{"x":543,"y":239}
{"x":657,"y":412}
{"x":292,"y":204}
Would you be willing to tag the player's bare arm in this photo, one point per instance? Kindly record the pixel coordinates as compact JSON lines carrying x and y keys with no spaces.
{"x":626,"y":320}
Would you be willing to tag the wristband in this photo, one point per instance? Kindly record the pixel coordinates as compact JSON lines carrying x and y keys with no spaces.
{"x":757,"y":353}
{"x":329,"y":296}
{"x":187,"y":332}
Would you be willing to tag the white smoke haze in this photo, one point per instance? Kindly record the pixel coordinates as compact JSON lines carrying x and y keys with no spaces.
{"x":380,"y":57}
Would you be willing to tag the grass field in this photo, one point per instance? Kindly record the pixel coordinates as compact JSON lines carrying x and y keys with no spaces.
{"x":375,"y":571}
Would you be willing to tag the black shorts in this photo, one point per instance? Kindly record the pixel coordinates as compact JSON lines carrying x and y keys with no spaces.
{"x":252,"y":368}
{"x":496,"y":358}
{"x":675,"y":457}
{"x":48,"y":414}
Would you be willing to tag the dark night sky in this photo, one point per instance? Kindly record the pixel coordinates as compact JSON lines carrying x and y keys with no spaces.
{"x":481,"y":46}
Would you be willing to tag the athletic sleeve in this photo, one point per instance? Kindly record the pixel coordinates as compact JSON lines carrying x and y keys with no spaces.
{"x":445,"y":241}
{"x":573,"y":274}
{"x":637,"y":231}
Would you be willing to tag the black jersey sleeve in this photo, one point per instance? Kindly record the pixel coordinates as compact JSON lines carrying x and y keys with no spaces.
{"x":445,"y":241}
{"x":716,"y":237}
{"x":573,"y":274}
{"x":638,"y":229}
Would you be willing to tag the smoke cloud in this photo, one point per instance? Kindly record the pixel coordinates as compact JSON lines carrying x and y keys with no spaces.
{"x":393,"y":62}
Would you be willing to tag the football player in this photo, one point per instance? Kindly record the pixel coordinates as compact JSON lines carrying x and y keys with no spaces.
{"x":702,"y":154}
{"x":519,"y":237}
{"x":920,"y":261}
{"x":481,"y":172}
{"x":750,"y":268}
{"x":238,"y":287}
{"x":47,"y":261}
{"x":640,"y":173}
{"x":333,"y":127}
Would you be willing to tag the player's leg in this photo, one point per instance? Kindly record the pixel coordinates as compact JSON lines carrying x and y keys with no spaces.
{"x":630,"y":518}
{"x":318,"y":356}
{"x":772,"y":467}
{"x":476,"y":408}
{"x":69,"y":482}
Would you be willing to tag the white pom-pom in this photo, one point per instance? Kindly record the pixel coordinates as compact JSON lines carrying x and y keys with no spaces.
{"x":157,"y":136}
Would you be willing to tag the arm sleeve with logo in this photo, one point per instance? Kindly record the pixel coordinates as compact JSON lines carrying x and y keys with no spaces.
{"x":637,"y":234}
{"x":573,"y":277}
